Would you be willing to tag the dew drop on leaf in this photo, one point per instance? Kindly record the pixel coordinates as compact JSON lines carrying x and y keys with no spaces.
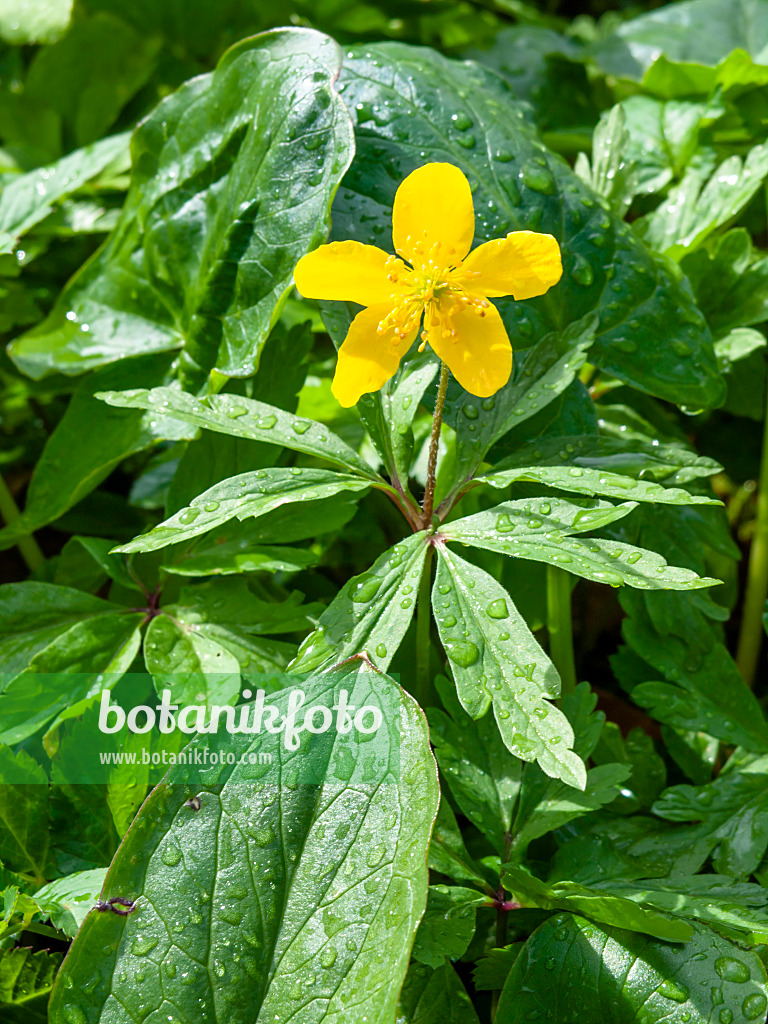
{"x":731,"y":969}
{"x":497,"y":609}
{"x":234,"y":411}
{"x":463,"y":652}
{"x":673,"y":990}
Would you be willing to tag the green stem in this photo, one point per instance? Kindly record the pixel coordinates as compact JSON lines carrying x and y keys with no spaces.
{"x":434,"y":441}
{"x":751,"y":634}
{"x":27,"y":545}
{"x":423,"y":622}
{"x":559,"y":627}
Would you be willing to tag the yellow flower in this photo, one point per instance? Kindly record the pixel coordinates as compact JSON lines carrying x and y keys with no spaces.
{"x":433,"y":224}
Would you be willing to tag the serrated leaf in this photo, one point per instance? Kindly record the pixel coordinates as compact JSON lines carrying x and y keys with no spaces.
{"x":246,"y":496}
{"x":599,"y":906}
{"x":305,"y":893}
{"x":731,"y":816}
{"x":542,"y":532}
{"x":233,"y":175}
{"x":611,"y":172}
{"x":496,"y":661}
{"x":26,"y":979}
{"x":371,"y":613}
{"x":244,"y":417}
{"x":407,"y":102}
{"x":646,"y":980}
{"x":434,"y":997}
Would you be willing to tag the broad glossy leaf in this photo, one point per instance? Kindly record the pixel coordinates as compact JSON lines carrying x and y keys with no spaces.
{"x":26,"y":979}
{"x":449,"y":855}
{"x":371,"y":613}
{"x":243,"y":417}
{"x":611,"y":172}
{"x":628,"y":976}
{"x":243,"y":497}
{"x":74,"y":895}
{"x":76,"y":458}
{"x":730,"y":284}
{"x":24,"y":837}
{"x":599,"y":906}
{"x":543,"y":372}
{"x":448,"y":924}
{"x":311,"y":889}
{"x":694,"y":32}
{"x":496,"y":661}
{"x":731,"y":816}
{"x":695,"y":207}
{"x":26,"y":200}
{"x":195,"y":668}
{"x":238,"y":556}
{"x":233,"y":176}
{"x":542,"y":532}
{"x":75,"y":666}
{"x":434,"y":997}
{"x":411,"y":106}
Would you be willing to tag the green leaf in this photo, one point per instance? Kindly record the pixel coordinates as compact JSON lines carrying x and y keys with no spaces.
{"x":641,"y":979}
{"x":449,"y":855}
{"x":408,"y":102}
{"x":75,"y":666}
{"x":546,"y":804}
{"x":39,"y":21}
{"x":735,"y":909}
{"x":243,"y":417}
{"x":26,"y":979}
{"x":448,"y":924}
{"x":371,"y":613}
{"x":730,"y":284}
{"x":602,"y":907}
{"x":434,"y":997}
{"x":246,"y":496}
{"x":491,"y":971}
{"x":732,"y":817}
{"x":695,"y":207}
{"x":741,"y":355}
{"x":76,"y":458}
{"x":611,"y":173}
{"x":667,"y":464}
{"x":496,"y":661}
{"x":315,"y":886}
{"x":542,"y":532}
{"x":74,"y":895}
{"x":24,"y":836}
{"x":212,"y":230}
{"x":26,"y":200}
{"x":484,"y":779}
{"x":236,"y":556}
{"x":195,"y":668}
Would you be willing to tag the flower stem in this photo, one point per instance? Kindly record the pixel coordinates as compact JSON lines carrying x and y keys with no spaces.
{"x":423,"y":622}
{"x":434,"y":441}
{"x":559,"y":627}
{"x":27,"y":545}
{"x":751,"y":633}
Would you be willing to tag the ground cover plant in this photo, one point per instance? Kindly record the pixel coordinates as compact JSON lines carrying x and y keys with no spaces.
{"x":390,"y":377}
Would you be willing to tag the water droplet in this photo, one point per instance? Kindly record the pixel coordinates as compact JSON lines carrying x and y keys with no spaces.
{"x":328,"y":957}
{"x":726,"y":1016}
{"x":504,"y":524}
{"x":545,"y":508}
{"x":463,"y":652}
{"x":461,"y":121}
{"x":538,"y":178}
{"x":497,"y":609}
{"x":189,"y":516}
{"x":754,"y":1006}
{"x":365,"y":587}
{"x":381,"y":650}
{"x":142,"y":945}
{"x":300,"y":426}
{"x":731,"y":969}
{"x":448,"y":621}
{"x":171,"y":855}
{"x":533,"y":524}
{"x":672,"y":990}
{"x":236,"y":410}
{"x":582,"y":272}
{"x":266,"y":422}
{"x":211,"y":506}
{"x":575,"y":471}
{"x":470,"y":411}
{"x":262,"y":836}
{"x":74,"y":1015}
{"x":444,"y":588}
{"x":466,"y":141}
{"x":633,"y":557}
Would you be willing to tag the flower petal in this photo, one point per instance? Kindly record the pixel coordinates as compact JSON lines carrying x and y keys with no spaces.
{"x":433,"y":205}
{"x":478,"y":354}
{"x":368,"y":359}
{"x":347,"y":271}
{"x":524,"y":264}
